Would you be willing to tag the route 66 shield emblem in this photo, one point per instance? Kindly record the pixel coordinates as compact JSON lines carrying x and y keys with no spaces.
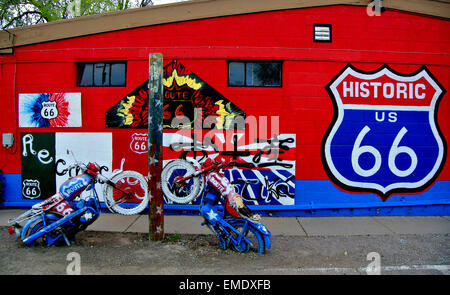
{"x":139,"y":142}
{"x":384,"y":137}
{"x":49,"y":110}
{"x":31,"y":189}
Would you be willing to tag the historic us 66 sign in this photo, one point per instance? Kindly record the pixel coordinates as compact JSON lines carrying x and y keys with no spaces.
{"x":384,"y":137}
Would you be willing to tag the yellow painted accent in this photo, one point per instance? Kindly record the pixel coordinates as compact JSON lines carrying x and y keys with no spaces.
{"x":124,"y":110}
{"x":222,"y":114}
{"x":182,"y":80}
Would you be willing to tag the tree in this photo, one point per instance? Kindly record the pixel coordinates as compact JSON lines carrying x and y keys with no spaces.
{"x":17,"y":13}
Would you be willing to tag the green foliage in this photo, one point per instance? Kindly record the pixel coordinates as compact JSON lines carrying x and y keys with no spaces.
{"x":17,"y":13}
{"x":174,"y":237}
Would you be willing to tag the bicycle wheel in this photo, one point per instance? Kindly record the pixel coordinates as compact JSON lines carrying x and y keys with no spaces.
{"x":250,"y":233}
{"x":131,"y":198}
{"x":190,"y":188}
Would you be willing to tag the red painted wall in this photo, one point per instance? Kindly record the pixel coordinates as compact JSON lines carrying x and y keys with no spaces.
{"x":403,"y":41}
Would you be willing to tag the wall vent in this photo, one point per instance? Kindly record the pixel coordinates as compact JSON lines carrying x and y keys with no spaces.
{"x":321,"y":33}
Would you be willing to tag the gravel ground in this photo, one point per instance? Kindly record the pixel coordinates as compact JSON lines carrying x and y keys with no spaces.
{"x":132,"y":253}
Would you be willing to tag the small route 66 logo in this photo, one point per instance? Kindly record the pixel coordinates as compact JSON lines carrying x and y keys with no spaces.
{"x":49,"y":110}
{"x":31,"y":189}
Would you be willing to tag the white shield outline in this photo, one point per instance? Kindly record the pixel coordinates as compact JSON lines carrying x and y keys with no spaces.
{"x":49,"y":105}
{"x":134,"y":140}
{"x":383,"y":192}
{"x":25,"y":184}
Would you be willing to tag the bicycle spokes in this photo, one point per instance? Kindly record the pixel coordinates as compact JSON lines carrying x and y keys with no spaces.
{"x":128,"y":192}
{"x":179,"y":182}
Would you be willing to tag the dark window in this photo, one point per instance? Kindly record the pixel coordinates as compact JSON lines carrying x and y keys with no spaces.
{"x":101,"y":73}
{"x":254,"y":73}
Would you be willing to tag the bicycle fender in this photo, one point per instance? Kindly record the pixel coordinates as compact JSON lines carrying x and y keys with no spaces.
{"x":267,"y":241}
{"x":264,"y":231}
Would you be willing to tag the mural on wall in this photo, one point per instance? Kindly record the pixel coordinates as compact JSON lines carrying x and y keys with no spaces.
{"x":183,"y":93}
{"x":38,"y":164}
{"x":50,"y":110}
{"x":384,"y":137}
{"x":262,"y":170}
{"x":45,"y":160}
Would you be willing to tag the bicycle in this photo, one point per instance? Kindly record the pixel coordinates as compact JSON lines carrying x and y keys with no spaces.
{"x":184,"y":181}
{"x":56,"y":220}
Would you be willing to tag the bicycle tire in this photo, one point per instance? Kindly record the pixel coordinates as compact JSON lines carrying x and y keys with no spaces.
{"x":139,"y":187}
{"x":191,"y":190}
{"x":252,"y":234}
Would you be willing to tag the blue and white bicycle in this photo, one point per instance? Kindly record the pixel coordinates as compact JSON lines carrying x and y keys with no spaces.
{"x":76,"y":205}
{"x":182,"y":182}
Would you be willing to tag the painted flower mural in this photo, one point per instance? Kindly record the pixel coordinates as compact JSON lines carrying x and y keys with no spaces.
{"x":183,"y":93}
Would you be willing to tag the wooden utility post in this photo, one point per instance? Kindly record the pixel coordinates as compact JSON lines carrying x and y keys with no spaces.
{"x":155,"y":135}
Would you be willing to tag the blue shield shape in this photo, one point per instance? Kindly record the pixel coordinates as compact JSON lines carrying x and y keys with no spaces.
{"x":384,"y":137}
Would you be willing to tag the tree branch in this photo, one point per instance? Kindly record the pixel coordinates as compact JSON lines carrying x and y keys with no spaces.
{"x":20,"y":16}
{"x":146,"y":3}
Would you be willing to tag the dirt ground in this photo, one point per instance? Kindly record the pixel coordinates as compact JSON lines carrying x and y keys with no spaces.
{"x":132,"y":253}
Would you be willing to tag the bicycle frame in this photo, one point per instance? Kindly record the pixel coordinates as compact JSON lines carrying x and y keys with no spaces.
{"x":107,"y":181}
{"x":57,"y":222}
{"x":227,"y":226}
{"x":182,"y":180}
{"x":69,"y":211}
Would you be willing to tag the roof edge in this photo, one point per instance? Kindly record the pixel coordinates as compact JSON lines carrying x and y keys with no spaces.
{"x":186,"y":11}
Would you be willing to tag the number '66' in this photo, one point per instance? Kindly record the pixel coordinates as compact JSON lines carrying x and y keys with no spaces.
{"x":395,"y":150}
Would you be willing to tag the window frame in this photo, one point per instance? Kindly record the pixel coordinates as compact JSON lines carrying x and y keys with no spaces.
{"x":245,"y":61}
{"x":93,"y":63}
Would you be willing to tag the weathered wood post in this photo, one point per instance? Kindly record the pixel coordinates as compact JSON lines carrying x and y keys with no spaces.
{"x":155,"y":135}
